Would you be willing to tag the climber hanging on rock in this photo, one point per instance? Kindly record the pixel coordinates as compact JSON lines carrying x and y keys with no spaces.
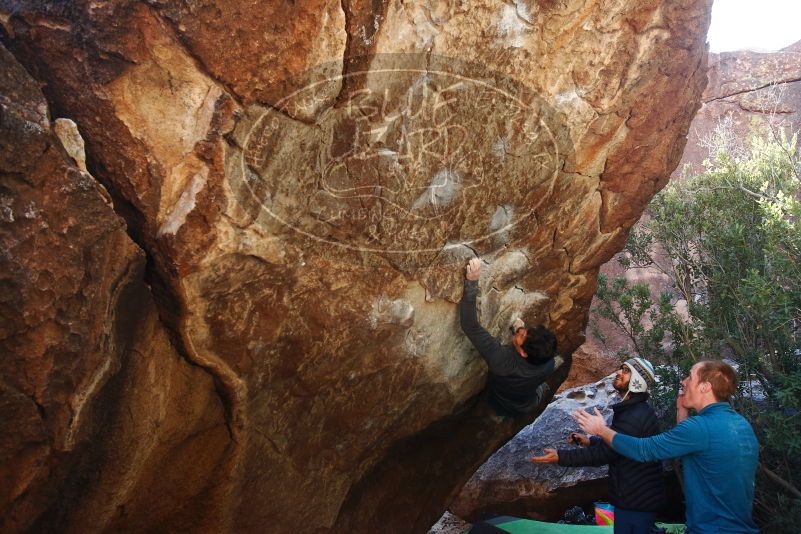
{"x":517,"y":372}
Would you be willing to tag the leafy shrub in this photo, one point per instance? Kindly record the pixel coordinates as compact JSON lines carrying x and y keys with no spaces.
{"x":729,"y":244}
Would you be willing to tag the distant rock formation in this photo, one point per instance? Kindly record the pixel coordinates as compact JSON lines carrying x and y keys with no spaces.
{"x":747,"y":92}
{"x":276,"y":347}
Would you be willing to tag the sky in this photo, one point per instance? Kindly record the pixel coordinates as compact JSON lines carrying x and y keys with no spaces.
{"x":762,"y":25}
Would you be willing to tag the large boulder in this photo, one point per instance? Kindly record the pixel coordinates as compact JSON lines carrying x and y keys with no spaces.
{"x":509,"y":483}
{"x":101,"y":418}
{"x":307,"y":178}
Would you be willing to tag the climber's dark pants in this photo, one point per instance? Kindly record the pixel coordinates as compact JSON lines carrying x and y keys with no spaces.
{"x":631,"y":522}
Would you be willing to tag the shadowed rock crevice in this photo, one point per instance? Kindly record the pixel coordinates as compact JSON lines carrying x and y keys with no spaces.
{"x":94,"y":397}
{"x":363,"y":24}
{"x":128,"y":204}
{"x":133,"y":203}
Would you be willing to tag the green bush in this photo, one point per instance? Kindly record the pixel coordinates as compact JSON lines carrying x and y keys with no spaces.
{"x":729,"y":243}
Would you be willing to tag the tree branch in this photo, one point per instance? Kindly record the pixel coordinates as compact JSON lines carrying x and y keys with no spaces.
{"x":780,"y":481}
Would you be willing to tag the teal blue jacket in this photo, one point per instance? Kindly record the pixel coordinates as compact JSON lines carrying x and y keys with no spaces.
{"x":719,"y":454}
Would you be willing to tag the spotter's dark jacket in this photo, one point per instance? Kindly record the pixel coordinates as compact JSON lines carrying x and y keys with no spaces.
{"x":636,"y":486}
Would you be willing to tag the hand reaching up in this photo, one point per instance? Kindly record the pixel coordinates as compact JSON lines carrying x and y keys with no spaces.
{"x":473,"y":269}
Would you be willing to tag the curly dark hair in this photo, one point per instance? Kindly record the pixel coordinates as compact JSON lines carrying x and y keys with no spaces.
{"x":540,"y":344}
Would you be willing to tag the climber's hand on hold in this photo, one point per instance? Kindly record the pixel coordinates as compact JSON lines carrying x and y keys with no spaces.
{"x":516,"y":325}
{"x":473,"y":269}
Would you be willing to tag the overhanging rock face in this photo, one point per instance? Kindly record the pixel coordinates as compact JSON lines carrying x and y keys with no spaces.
{"x":307,"y":180}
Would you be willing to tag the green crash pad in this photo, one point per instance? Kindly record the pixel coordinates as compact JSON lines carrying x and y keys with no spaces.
{"x":515,"y":525}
